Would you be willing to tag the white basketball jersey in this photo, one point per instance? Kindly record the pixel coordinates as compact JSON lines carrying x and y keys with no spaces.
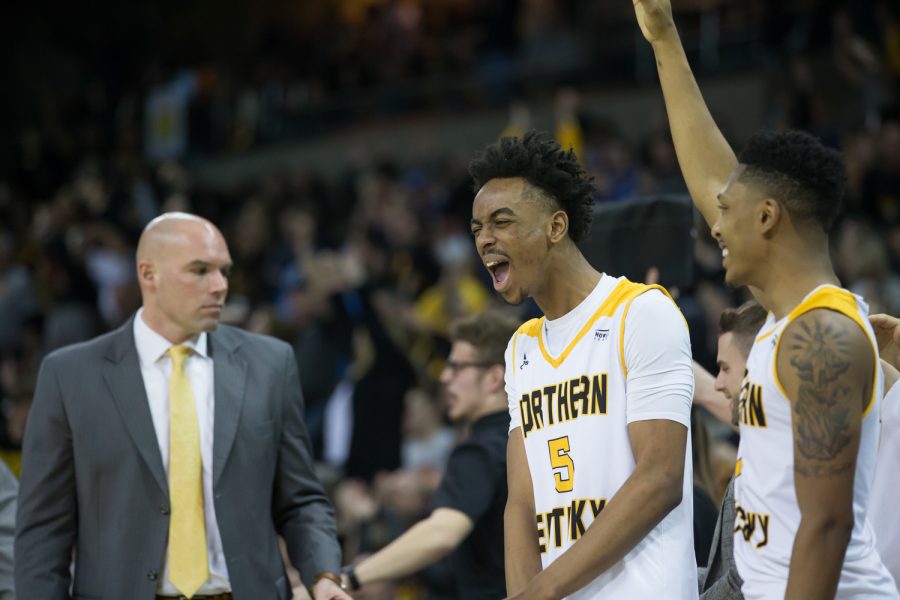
{"x":767,"y":514}
{"x":571,"y":411}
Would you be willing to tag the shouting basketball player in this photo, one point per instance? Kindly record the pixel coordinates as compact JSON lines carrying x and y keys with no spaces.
{"x":599,"y":394}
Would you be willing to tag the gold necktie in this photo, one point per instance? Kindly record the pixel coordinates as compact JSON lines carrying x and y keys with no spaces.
{"x":188,"y":567}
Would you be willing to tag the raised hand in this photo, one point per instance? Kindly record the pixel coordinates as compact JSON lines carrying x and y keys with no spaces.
{"x":654,"y":18}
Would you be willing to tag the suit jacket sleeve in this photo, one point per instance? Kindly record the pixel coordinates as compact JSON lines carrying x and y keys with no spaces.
{"x":8,"y":489}
{"x":46,"y":518}
{"x":303,"y":514}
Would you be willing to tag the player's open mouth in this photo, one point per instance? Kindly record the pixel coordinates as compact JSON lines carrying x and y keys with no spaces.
{"x":499,"y":268}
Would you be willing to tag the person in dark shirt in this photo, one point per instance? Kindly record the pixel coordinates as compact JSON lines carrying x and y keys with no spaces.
{"x":466,"y":521}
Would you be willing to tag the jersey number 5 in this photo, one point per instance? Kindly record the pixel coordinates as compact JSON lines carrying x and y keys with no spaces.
{"x":561,"y":462}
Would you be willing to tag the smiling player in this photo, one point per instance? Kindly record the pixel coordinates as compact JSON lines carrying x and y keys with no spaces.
{"x":809,"y":405}
{"x":599,"y":394}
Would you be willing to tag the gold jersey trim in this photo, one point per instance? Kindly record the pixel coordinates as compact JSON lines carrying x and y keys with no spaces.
{"x":625,"y":292}
{"x":840,"y":301}
{"x":529,"y":328}
{"x":619,"y":294}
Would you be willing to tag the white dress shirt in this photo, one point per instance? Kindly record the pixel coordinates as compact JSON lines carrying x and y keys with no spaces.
{"x":156,"y":367}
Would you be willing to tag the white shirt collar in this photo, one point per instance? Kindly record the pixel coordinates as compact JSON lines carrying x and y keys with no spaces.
{"x":151,"y":346}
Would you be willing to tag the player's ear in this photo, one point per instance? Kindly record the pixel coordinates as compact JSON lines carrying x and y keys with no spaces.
{"x":769,"y":213}
{"x":558,"y":226}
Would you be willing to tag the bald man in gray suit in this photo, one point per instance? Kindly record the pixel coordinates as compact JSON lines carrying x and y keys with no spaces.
{"x":166,"y":457}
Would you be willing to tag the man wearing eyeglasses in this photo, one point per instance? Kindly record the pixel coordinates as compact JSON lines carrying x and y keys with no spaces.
{"x":467,"y":515}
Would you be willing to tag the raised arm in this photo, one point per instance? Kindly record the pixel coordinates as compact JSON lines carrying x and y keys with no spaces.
{"x":522,"y":557}
{"x":706,"y":159}
{"x":825,"y":364}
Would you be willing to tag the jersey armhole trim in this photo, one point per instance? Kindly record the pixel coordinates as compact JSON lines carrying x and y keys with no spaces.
{"x":810,"y":306}
{"x":513,"y":353}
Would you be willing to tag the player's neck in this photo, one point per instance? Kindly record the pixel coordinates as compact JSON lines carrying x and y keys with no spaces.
{"x":570,"y":279}
{"x":796,"y":272}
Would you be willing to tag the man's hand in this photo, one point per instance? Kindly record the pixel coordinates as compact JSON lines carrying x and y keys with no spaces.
{"x":329,"y":590}
{"x":887,"y":335}
{"x":655,"y":18}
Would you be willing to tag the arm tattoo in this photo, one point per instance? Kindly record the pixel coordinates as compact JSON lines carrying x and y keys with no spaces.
{"x":821,"y":354}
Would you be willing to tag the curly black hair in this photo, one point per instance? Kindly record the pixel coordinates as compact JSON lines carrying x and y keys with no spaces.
{"x":796,"y":169}
{"x":541,"y":161}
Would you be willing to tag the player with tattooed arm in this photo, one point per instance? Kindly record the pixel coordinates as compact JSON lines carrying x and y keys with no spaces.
{"x":809,"y":404}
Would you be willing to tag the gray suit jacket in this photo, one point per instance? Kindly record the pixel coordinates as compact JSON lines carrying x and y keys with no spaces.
{"x":93,"y":481}
{"x":719,"y":580}
{"x":9,"y":488}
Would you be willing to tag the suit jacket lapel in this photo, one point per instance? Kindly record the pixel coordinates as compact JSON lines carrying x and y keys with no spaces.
{"x":122,"y":372}
{"x":229,"y":374}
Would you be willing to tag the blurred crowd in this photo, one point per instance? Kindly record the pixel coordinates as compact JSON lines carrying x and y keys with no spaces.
{"x":178,"y":82}
{"x":362,"y":273}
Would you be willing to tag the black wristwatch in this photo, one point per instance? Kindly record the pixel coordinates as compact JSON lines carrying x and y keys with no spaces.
{"x":350,"y":573}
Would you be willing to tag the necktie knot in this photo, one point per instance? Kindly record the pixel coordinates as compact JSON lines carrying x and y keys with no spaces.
{"x":178,"y":354}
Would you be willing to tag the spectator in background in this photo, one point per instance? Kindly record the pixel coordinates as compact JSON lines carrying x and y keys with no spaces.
{"x":881,"y":185}
{"x":861,"y":257}
{"x":69,"y":296}
{"x":18,"y":302}
{"x":427,"y":442}
{"x":467,"y":519}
